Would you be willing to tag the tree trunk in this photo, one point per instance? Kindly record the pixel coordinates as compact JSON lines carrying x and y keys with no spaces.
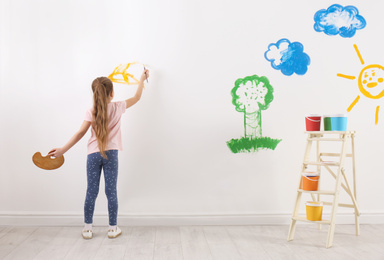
{"x":252,"y":124}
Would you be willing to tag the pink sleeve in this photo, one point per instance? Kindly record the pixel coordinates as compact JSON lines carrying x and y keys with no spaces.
{"x":88,"y":115}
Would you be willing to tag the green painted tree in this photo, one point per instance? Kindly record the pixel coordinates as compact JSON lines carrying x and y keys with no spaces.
{"x":251,"y":95}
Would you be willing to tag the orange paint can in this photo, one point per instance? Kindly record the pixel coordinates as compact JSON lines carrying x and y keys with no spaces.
{"x":310,"y":181}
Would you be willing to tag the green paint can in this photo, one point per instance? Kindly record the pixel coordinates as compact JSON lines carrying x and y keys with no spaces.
{"x":327,"y":123}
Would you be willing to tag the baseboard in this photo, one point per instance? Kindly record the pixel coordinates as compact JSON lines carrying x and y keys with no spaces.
{"x":65,"y":219}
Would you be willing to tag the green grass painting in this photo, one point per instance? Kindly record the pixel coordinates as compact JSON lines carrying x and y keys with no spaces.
{"x":247,"y":145}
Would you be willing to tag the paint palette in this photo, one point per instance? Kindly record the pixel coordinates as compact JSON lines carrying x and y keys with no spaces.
{"x":47,"y":163}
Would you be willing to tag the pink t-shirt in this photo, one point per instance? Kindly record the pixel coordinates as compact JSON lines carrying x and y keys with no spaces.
{"x":115,"y":110}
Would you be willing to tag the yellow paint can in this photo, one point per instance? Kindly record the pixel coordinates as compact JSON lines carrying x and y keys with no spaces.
{"x":314,"y":210}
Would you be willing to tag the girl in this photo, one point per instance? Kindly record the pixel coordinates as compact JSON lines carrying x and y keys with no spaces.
{"x":103,"y":147}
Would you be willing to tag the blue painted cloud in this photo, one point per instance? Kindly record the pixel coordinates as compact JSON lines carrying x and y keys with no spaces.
{"x":339,"y":20}
{"x":288,"y":57}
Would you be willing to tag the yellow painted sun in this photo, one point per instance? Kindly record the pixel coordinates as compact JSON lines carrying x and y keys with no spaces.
{"x":370,"y":82}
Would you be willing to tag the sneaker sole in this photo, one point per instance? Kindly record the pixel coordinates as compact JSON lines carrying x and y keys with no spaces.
{"x":86,"y":237}
{"x":115,"y":236}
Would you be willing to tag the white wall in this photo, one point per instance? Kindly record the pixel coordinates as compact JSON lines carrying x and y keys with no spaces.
{"x":176,"y":166}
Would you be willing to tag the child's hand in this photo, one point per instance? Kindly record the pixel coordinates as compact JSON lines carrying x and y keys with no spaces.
{"x":145,"y":75}
{"x":56,"y":152}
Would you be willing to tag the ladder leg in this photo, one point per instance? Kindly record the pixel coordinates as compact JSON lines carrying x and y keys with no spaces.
{"x":331,"y":230}
{"x":318,"y":158}
{"x":349,"y":192}
{"x":357,"y":222}
{"x":335,"y":204}
{"x":292,"y":227}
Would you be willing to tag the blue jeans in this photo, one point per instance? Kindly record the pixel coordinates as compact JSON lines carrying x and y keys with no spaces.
{"x":95,"y":162}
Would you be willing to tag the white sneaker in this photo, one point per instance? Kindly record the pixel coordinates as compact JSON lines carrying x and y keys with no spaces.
{"x":113,"y":233}
{"x":87,"y":234}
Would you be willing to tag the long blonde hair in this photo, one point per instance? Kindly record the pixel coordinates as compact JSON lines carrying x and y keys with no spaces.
{"x":102,"y":88}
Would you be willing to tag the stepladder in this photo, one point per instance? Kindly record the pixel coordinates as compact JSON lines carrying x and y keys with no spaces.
{"x":330,"y":164}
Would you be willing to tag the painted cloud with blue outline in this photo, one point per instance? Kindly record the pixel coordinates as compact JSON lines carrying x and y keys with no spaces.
{"x":339,"y":20}
{"x":288,"y":57}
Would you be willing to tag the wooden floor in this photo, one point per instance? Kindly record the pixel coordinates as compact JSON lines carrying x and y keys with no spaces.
{"x":192,"y":242}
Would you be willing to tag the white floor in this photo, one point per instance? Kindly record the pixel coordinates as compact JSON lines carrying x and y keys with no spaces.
{"x":193,"y":242}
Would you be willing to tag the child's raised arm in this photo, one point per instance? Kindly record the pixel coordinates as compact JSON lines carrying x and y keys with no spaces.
{"x":57,"y":152}
{"x":133,"y":100}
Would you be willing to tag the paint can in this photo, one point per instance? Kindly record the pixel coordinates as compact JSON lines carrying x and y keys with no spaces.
{"x":327,"y":123}
{"x":335,"y":122}
{"x":310,"y":181}
{"x":313,"y":122}
{"x":314,"y":210}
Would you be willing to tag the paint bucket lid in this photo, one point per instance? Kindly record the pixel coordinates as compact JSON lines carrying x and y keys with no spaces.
{"x":314,"y":203}
{"x":310,"y":174}
{"x":313,"y":115}
{"x":339,"y":115}
{"x":335,"y":115}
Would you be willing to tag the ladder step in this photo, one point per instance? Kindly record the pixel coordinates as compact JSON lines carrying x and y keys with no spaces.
{"x":324,"y":192}
{"x":330,"y":132}
{"x":335,"y":154}
{"x":340,"y":204}
{"x":304,"y":219}
{"x":328,"y":163}
{"x":324,"y":139}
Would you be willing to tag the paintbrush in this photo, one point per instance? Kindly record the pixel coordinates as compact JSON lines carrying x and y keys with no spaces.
{"x":147,"y":76}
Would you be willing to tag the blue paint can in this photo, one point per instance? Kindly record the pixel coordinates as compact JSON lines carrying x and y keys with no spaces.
{"x":335,"y":122}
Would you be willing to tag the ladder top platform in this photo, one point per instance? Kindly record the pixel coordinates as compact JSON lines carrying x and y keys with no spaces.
{"x":330,"y":132}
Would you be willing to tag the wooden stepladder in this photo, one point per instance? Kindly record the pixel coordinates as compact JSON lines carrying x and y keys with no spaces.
{"x":336,"y":169}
